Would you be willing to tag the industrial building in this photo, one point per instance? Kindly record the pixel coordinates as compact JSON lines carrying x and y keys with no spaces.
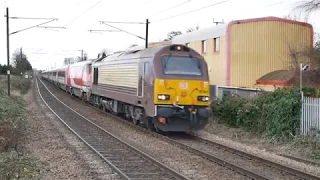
{"x":243,"y":52}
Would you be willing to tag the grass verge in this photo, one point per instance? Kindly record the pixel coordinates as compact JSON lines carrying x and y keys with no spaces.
{"x":14,"y":164}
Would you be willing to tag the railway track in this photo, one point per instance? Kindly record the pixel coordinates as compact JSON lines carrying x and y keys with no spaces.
{"x":225,"y":156}
{"x":245,"y":163}
{"x":126,"y":160}
{"x":305,"y":161}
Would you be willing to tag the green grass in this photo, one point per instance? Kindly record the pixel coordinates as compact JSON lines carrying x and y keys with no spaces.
{"x":14,"y":164}
{"x":17,"y":84}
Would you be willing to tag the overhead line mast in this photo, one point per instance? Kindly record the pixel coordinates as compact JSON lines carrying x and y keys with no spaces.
{"x":8,"y":39}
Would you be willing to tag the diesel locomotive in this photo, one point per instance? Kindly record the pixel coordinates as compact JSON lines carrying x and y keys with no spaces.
{"x":164,"y":88}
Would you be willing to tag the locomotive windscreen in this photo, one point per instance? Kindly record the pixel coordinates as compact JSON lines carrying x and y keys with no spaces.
{"x":181,"y":65}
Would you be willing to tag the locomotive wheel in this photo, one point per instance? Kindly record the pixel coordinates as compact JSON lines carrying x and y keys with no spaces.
{"x":84,"y":97}
{"x":128,"y":116}
{"x":135,"y":121}
{"x":127,"y":113}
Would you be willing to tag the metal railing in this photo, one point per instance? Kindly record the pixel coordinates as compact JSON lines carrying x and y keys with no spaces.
{"x":310,"y":116}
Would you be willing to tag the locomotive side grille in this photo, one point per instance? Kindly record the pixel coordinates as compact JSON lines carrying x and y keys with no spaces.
{"x":122,"y":74}
{"x":119,"y":89}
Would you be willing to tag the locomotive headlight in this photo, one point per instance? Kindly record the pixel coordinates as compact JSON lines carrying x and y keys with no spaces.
{"x":203,"y":98}
{"x":163,"y":97}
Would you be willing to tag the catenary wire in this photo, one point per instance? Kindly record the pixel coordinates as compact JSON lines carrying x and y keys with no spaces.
{"x":215,"y":4}
{"x":172,"y":7}
{"x":83,"y":13}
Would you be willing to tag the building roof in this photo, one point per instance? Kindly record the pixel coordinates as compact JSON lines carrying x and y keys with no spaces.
{"x":279,"y":77}
{"x":201,"y":34}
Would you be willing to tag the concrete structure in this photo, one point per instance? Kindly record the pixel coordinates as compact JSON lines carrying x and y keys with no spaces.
{"x":241,"y":52}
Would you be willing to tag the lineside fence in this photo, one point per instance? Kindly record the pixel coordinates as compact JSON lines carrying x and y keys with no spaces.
{"x":310,"y":117}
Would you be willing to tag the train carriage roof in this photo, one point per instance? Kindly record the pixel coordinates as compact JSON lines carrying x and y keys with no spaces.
{"x":81,"y":63}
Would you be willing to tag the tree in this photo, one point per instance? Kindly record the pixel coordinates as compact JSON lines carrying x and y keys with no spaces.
{"x":172,"y":34}
{"x":68,"y":61}
{"x":316,"y":50}
{"x":1,"y":67}
{"x":107,"y":51}
{"x":20,"y":62}
{"x":296,"y":17}
{"x":85,"y":57}
{"x":193,"y":29}
{"x":104,"y":52}
{"x":309,"y":6}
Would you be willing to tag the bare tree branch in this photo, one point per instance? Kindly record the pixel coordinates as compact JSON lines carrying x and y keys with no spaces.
{"x":309,"y":6}
{"x":296,"y":17}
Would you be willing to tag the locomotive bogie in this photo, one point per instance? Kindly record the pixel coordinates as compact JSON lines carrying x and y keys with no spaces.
{"x":180,"y":118}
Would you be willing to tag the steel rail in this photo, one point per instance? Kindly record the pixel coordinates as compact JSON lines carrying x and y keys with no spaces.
{"x":278,"y":166}
{"x":305,"y":161}
{"x":218,"y":160}
{"x":121,"y":173}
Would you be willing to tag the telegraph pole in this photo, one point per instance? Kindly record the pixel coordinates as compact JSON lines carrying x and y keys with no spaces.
{"x":8,"y":53}
{"x":8,"y":34}
{"x":147,"y":29}
{"x":147,"y":32}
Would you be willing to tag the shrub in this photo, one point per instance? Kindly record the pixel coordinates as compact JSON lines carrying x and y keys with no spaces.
{"x":225,"y":111}
{"x":311,"y":91}
{"x":276,"y":115}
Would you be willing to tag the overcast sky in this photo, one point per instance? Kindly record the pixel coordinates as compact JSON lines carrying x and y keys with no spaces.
{"x":79,"y":16}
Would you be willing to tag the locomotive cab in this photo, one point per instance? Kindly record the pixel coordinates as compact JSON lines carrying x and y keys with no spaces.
{"x":181,"y":90}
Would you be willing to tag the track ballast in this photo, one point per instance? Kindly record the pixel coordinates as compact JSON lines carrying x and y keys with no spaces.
{"x":127,"y":161}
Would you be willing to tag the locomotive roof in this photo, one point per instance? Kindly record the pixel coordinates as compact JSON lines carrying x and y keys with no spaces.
{"x":132,"y":53}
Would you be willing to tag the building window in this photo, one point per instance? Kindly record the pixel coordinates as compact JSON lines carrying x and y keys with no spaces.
{"x":216,"y":44}
{"x":188,"y":44}
{"x":204,"y":46}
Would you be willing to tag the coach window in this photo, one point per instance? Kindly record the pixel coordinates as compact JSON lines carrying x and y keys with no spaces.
{"x":204,"y":46}
{"x":188,"y":44}
{"x":216,"y":42}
